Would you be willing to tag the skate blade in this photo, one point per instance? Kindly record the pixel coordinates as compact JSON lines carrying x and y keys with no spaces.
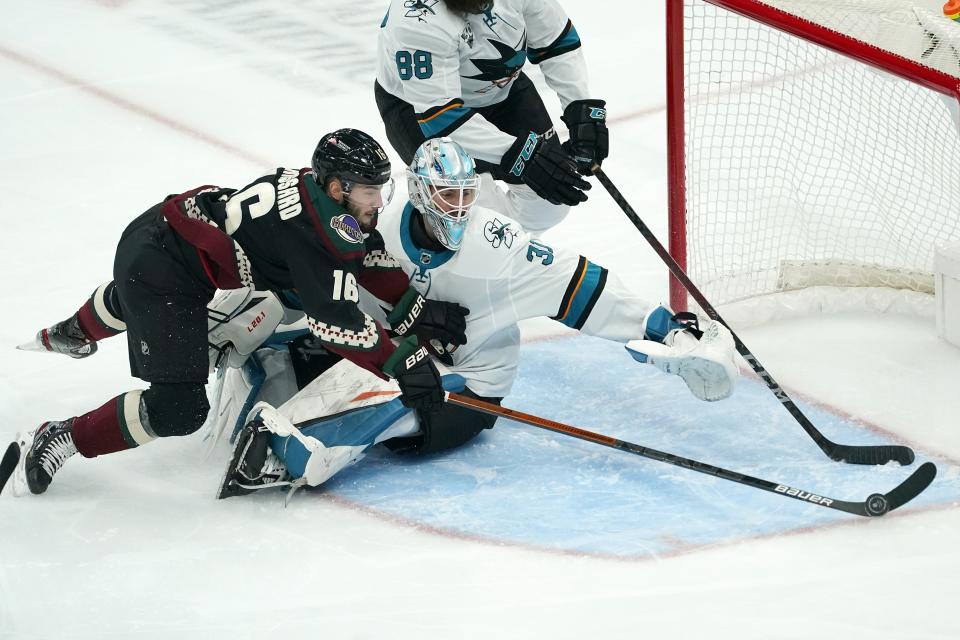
{"x":33,"y":345}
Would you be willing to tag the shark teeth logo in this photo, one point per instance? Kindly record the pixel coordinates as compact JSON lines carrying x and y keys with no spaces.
{"x":347,"y":228}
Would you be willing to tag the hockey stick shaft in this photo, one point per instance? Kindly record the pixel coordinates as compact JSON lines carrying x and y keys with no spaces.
{"x":847,"y":453}
{"x":876,"y":504}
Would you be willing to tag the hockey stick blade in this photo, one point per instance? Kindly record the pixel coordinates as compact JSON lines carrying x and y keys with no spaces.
{"x":875,"y":505}
{"x":853,"y":454}
{"x":880,"y":454}
{"x":878,"y":504}
{"x":9,"y":463}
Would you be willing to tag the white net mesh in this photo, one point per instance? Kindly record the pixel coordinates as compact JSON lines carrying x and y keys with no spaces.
{"x":806,"y":168}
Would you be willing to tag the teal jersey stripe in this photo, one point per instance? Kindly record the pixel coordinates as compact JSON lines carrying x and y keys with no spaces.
{"x":569,"y":41}
{"x":580,"y":305}
{"x":446,"y":122}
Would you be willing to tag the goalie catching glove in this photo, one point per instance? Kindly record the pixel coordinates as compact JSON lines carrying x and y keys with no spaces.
{"x":674,"y":343}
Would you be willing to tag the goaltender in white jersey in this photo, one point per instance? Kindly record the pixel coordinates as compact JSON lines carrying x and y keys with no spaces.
{"x":503,"y":275}
{"x":455,"y":251}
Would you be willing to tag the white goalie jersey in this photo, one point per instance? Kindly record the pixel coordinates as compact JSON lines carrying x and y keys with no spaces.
{"x":503,"y":275}
{"x":447,"y":64}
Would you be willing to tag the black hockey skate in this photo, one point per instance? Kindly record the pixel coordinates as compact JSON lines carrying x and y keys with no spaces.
{"x":65,"y":337}
{"x":253,"y":466}
{"x":42,"y":453}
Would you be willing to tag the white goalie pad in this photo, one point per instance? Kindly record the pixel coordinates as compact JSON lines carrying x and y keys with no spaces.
{"x":238,"y":322}
{"x":342,"y":387}
{"x":340,"y":390}
{"x":266,"y":376}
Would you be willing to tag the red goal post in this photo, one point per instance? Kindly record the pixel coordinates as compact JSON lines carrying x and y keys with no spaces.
{"x":811,"y":144}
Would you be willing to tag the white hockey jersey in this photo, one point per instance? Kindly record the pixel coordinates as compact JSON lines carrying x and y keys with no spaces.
{"x":503,"y":275}
{"x":446,"y":64}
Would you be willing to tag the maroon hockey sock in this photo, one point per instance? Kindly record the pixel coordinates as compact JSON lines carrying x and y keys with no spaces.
{"x":113,"y":427}
{"x":97,"y":317}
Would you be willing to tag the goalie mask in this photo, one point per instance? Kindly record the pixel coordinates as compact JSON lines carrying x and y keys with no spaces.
{"x":443,"y":185}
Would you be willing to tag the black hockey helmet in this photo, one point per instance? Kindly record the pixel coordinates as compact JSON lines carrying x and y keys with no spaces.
{"x":352,"y":156}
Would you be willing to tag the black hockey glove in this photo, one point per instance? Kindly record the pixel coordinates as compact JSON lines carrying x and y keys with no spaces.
{"x":445,"y":322}
{"x":419,"y":380}
{"x":589,"y":142}
{"x":541,"y":164}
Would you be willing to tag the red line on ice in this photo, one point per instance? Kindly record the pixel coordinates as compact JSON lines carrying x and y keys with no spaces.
{"x":130,"y":106}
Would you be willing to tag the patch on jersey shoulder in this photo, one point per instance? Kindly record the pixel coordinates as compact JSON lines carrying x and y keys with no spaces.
{"x":499,"y":233}
{"x":347,"y":228}
{"x":419,"y":9}
{"x":467,"y":35}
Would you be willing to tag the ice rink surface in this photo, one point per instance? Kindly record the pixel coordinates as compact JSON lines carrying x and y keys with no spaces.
{"x":109,"y":105}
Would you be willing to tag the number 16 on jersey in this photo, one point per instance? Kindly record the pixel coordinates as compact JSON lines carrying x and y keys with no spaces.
{"x":345,"y":286}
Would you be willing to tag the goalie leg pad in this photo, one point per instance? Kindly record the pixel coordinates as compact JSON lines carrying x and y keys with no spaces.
{"x":320,"y":448}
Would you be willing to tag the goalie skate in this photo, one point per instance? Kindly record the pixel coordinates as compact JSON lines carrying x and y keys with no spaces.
{"x":253,"y":466}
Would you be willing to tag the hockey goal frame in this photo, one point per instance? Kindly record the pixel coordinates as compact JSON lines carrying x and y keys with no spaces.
{"x":765,"y":14}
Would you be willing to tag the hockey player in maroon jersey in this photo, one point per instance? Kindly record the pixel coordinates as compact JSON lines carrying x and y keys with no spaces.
{"x":307,"y":235}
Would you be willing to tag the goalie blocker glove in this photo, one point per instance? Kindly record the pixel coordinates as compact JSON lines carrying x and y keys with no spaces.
{"x":589,"y":142}
{"x":419,"y":380}
{"x":674,"y":343}
{"x":445,"y":322}
{"x":542,"y":164}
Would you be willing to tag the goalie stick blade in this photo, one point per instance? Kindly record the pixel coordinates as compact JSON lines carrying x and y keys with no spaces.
{"x":878,"y":455}
{"x":9,"y":463}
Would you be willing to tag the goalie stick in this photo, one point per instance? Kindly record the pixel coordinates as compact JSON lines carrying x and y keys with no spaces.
{"x":853,"y":454}
{"x":876,"y":504}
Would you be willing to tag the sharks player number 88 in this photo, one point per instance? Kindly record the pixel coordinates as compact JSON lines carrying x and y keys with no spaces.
{"x":419,"y":64}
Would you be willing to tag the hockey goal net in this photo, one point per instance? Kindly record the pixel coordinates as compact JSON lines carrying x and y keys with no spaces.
{"x":813,"y":147}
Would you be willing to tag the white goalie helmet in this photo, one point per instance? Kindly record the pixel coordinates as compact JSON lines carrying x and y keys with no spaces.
{"x":443,"y":185}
